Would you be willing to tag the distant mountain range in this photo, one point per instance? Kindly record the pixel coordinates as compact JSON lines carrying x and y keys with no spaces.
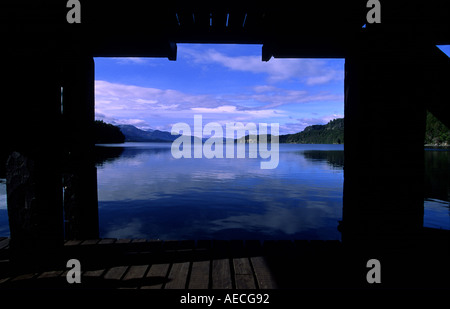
{"x":133,"y":134}
{"x":331,"y":133}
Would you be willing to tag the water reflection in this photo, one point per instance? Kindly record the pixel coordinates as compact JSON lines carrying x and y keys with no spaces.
{"x":437,"y":174}
{"x":334,"y":158}
{"x":144,"y":192}
{"x":104,"y":154}
{"x":436,"y":214}
{"x":148,"y":193}
{"x":437,"y":189}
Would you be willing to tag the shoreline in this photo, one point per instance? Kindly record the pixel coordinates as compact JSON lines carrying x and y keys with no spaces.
{"x":433,"y":146}
{"x":426,"y":146}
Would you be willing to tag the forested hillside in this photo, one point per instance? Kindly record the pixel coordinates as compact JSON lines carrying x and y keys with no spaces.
{"x":436,"y":133}
{"x":330,"y":133}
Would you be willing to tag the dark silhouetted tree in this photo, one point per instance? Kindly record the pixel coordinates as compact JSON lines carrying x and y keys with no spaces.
{"x":106,"y":133}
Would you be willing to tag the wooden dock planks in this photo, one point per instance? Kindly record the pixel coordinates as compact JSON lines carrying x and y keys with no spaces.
{"x":243,"y":274}
{"x":199,"y":278}
{"x":4,"y":243}
{"x":263,"y":274}
{"x":115,"y":273}
{"x":133,"y":277}
{"x":178,"y":276}
{"x":135,"y":272}
{"x":156,"y":276}
{"x":147,"y":265}
{"x":221,"y":274}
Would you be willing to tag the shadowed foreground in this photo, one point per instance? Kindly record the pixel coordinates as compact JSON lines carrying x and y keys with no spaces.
{"x":205,"y":264}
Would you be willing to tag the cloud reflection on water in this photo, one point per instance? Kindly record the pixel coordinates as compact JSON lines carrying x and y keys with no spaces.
{"x":220,"y":198}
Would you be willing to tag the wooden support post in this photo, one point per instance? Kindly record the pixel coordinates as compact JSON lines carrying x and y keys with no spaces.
{"x":34,"y":189}
{"x":384,"y":140}
{"x":80,"y":174}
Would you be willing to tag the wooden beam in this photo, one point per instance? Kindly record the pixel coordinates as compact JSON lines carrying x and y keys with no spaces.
{"x":221,"y":275}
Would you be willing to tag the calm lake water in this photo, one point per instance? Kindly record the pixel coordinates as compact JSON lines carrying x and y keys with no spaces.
{"x":147,"y":193}
{"x":144,"y":192}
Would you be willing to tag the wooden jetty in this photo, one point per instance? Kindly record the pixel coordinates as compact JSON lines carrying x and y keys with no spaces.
{"x":155,"y":264}
{"x":219,"y":264}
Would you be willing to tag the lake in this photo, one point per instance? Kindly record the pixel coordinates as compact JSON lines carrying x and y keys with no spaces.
{"x":143,"y":192}
{"x":146,"y":193}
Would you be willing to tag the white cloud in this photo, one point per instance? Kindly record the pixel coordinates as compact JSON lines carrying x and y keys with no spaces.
{"x":140,"y":123}
{"x":135,"y":122}
{"x":309,"y":71}
{"x":231,"y":113}
{"x":145,"y":98}
{"x":147,"y":107}
{"x":146,"y":101}
{"x":119,"y":100}
{"x":130,"y":60}
{"x":332,"y":117}
{"x":264,"y":88}
{"x":273,"y":97}
{"x":324,"y":78}
{"x":302,"y":123}
{"x":219,"y":109}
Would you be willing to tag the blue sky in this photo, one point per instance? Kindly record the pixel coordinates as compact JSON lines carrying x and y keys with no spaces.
{"x":223,"y":83}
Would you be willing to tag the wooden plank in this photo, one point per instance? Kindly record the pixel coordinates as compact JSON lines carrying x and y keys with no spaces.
{"x":115,"y":273}
{"x":199,"y":275}
{"x":242,"y":266}
{"x":28,"y":276}
{"x":95,"y":273}
{"x":134,"y":275}
{"x":138,"y":240}
{"x":123,"y":241}
{"x":136,"y":272}
{"x":156,"y":276}
{"x":106,"y":241}
{"x":50,"y":274}
{"x":3,"y":280}
{"x":90,"y":242}
{"x":245,"y":282}
{"x":221,"y":275}
{"x":263,"y":274}
{"x":73,"y":242}
{"x":64,"y":274}
{"x":243,"y":274}
{"x":4,"y":243}
{"x":51,"y":278}
{"x":178,"y":276}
